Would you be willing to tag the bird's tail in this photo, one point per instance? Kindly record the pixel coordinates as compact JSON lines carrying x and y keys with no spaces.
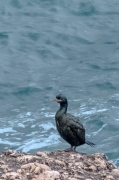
{"x":89,"y":143}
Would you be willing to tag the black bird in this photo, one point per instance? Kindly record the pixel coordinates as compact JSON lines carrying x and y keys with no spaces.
{"x":69,"y":126}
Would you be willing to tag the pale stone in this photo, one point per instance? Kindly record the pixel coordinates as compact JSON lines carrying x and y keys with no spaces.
{"x":59,"y":162}
{"x":115,"y":171}
{"x":93,"y":168}
{"x":8,"y":152}
{"x":52,"y":174}
{"x":41,"y":154}
{"x":109,"y":177}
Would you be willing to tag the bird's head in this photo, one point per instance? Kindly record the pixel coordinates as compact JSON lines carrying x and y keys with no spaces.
{"x":61,"y":99}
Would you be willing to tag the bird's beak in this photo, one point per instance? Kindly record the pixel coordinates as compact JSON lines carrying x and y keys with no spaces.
{"x":58,"y":100}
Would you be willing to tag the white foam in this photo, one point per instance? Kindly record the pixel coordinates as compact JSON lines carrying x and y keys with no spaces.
{"x":32,"y":84}
{"x":33,"y":126}
{"x":117,"y":120}
{"x":28,"y":120}
{"x":39,"y":143}
{"x":31,"y":134}
{"x":75,"y":100}
{"x":93,"y":111}
{"x":95,"y":133}
{"x":115,"y":96}
{"x":7,"y":130}
{"x":48,"y":114}
{"x":21,"y":116}
{"x":42,"y":109}
{"x":21,"y":125}
{"x":110,"y":138}
{"x":116,"y":161}
{"x":9,"y":143}
{"x":115,"y":107}
{"x":47,"y":126}
{"x":28,"y":114}
{"x":16,"y":110}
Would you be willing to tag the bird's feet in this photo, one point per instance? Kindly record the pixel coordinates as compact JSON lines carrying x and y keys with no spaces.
{"x":73,"y":149}
{"x":69,"y":150}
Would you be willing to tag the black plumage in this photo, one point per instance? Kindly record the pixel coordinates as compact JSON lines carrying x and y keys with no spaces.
{"x":69,"y":127}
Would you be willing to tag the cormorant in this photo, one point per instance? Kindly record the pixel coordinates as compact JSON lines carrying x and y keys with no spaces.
{"x":69,"y":126}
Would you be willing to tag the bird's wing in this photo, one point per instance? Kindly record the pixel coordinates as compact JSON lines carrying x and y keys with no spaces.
{"x":75,"y":130}
{"x":74,"y":123}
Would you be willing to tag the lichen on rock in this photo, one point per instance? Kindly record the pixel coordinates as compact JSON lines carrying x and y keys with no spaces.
{"x":57,"y":165}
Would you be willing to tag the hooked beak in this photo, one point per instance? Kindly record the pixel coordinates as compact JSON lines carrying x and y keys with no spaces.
{"x":58,"y":100}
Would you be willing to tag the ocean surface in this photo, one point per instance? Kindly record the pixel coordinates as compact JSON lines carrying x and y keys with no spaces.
{"x":49,"y":47}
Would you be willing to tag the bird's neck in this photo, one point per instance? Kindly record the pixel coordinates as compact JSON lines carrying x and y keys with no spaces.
{"x":62,"y":110}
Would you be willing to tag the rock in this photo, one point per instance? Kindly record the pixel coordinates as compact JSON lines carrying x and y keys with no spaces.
{"x":8,"y":152}
{"x":35,"y":168}
{"x":27,"y":158}
{"x":92,"y":168}
{"x":10,"y":176}
{"x":41,"y":154}
{"x":109,"y":177}
{"x":52,"y":174}
{"x":115,"y":171}
{"x":57,"y":165}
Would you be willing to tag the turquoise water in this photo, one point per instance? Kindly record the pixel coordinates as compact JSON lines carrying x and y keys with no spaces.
{"x":51,"y":47}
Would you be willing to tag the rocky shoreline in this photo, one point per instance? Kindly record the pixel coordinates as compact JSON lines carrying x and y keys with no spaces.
{"x":57,"y":165}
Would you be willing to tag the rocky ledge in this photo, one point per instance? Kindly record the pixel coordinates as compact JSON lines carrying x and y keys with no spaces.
{"x":58,"y":165}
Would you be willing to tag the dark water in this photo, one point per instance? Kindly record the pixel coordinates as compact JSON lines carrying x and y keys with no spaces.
{"x":53,"y":46}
